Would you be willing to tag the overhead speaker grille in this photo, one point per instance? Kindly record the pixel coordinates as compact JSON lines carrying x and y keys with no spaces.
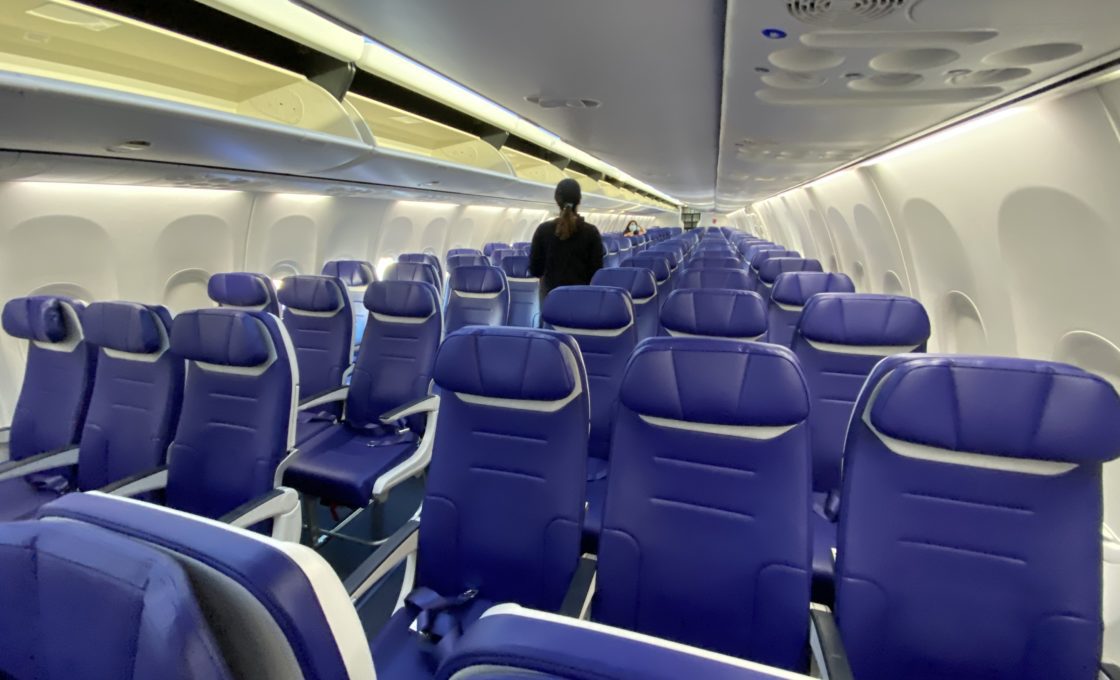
{"x":841,"y":12}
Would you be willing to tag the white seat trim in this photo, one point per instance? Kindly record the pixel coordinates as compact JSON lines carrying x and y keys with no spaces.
{"x":597,"y":332}
{"x":307,"y":312}
{"x":389,"y":318}
{"x":511,"y":279}
{"x":862,"y":350}
{"x":478,"y":296}
{"x":787,"y":307}
{"x":740,"y":431}
{"x":682,"y":334}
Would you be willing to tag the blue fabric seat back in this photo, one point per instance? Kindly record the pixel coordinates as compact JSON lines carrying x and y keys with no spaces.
{"x":601,"y":319}
{"x":714,"y":313}
{"x":461,"y":251}
{"x":732,"y":279}
{"x":658,"y":265}
{"x":762,"y":256}
{"x":705,"y":261}
{"x":611,"y":255}
{"x":83,"y":602}
{"x":970,"y":528}
{"x":497,"y":255}
{"x":244,"y":290}
{"x":705,"y":536}
{"x":522,"y":247}
{"x":137,"y":394}
{"x":58,"y":378}
{"x":524,"y":292}
{"x":320,"y":322}
{"x":640,"y":284}
{"x":505,"y":489}
{"x":355,"y":275}
{"x":395,"y":359}
{"x":466,"y":260}
{"x":489,"y":248}
{"x":425,"y":258}
{"x":237,"y":422}
{"x":791,"y":292}
{"x":477,"y":296}
{"x":774,"y":267}
{"x":413,"y":271}
{"x":839,"y":339}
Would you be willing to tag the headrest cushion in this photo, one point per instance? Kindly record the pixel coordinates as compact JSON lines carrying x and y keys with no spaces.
{"x":638,"y":281}
{"x":715,"y":277}
{"x":412,"y":271}
{"x":705,"y":261}
{"x":865,"y":319}
{"x":775,"y":266}
{"x":714,"y":312}
{"x":238,"y":289}
{"x":507,"y":363}
{"x":516,"y":266}
{"x":478,"y":279}
{"x":123,"y":326}
{"x":588,"y":307}
{"x":425,"y":258}
{"x":466,"y":260}
{"x":312,"y":293}
{"x":352,"y":272}
{"x":655,"y":262}
{"x":38,"y":317}
{"x":795,"y":288}
{"x":412,"y":299}
{"x":1018,"y":408}
{"x":721,"y":382}
{"x":226,"y":337}
{"x":762,"y":256}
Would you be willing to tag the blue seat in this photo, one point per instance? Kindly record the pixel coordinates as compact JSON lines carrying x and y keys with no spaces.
{"x":706,"y":261}
{"x":524,"y":292}
{"x":840,"y":337}
{"x":658,"y":265}
{"x":425,"y":258}
{"x":489,"y":248}
{"x":376,"y":446}
{"x":522,"y":247}
{"x":601,"y":319}
{"x":454,"y":252}
{"x":244,"y":290}
{"x":731,"y":279}
{"x":132,"y":412}
{"x":705,"y":537}
{"x":762,"y":256}
{"x":355,"y":275}
{"x":505,"y":488}
{"x":714,"y":313}
{"x":413,"y":271}
{"x":477,"y":296}
{"x":970,"y":528}
{"x":611,"y":248}
{"x":789,"y":294}
{"x":498,"y":254}
{"x":320,"y":322}
{"x":640,"y":284}
{"x":774,"y":267}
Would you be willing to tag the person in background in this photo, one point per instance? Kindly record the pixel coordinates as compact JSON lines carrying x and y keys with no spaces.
{"x":566,"y":251}
{"x":633,"y":229}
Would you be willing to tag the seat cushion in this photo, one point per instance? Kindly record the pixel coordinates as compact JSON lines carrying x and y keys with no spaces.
{"x":19,"y":499}
{"x":340,"y":465}
{"x":310,"y":424}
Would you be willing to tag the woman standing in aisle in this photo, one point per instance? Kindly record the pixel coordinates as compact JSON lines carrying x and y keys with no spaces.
{"x":566,"y":251}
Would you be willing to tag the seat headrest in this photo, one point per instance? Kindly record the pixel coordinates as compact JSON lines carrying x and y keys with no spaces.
{"x":516,"y":266}
{"x":478,"y":279}
{"x":865,"y":319}
{"x":310,"y":293}
{"x":718,"y":382}
{"x":654,"y":262}
{"x":996,"y":406}
{"x":38,"y":317}
{"x":489,"y":248}
{"x":352,"y":272}
{"x":588,"y":308}
{"x":760,"y":257}
{"x":411,"y":271}
{"x":508,"y":363}
{"x":123,"y":326}
{"x":238,"y":289}
{"x":407,"y":299}
{"x":611,"y":244}
{"x":716,"y":277}
{"x":426,"y":258}
{"x":757,"y":248}
{"x":463,"y":251}
{"x":795,"y":288}
{"x":225,"y":337}
{"x":776,"y":266}
{"x":706,"y":261}
{"x":714,"y":312}
{"x":466,"y":260}
{"x":638,"y":281}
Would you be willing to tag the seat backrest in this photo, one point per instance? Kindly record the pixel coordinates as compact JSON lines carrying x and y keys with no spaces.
{"x":970,"y":527}
{"x":776,"y":266}
{"x":489,"y":248}
{"x":395,"y":359}
{"x":355,"y":275}
{"x":789,"y":294}
{"x":320,"y":322}
{"x":504,"y":506}
{"x":413,"y":271}
{"x":477,"y":296}
{"x":601,"y":319}
{"x":705,"y":534}
{"x":82,"y":601}
{"x":715,"y":277}
{"x":656,"y":263}
{"x":244,"y":290}
{"x":466,"y":260}
{"x":498,"y":254}
{"x":522,"y":247}
{"x":58,"y":378}
{"x":460,"y":251}
{"x":137,"y":394}
{"x":839,"y":339}
{"x":714,"y":313}
{"x":524,"y":291}
{"x":756,"y":248}
{"x":239,"y":404}
{"x":610,"y":251}
{"x":425,"y":258}
{"x":705,"y":261}
{"x":640,"y":284}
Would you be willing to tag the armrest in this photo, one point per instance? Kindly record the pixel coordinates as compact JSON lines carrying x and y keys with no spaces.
{"x":829,"y":654}
{"x":425,"y":404}
{"x":580,"y":589}
{"x":1110,"y":671}
{"x":328,"y":397}
{"x":5,"y":434}
{"x":43,"y":461}
{"x":280,"y":505}
{"x":387,"y":557}
{"x":150,"y":480}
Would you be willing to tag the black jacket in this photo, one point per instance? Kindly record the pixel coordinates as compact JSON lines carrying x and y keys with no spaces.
{"x":565,"y":263}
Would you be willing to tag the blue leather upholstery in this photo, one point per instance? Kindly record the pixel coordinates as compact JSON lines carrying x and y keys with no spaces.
{"x":640,"y":284}
{"x":425,"y":258}
{"x":477,"y":296}
{"x":124,"y":327}
{"x":791,"y":291}
{"x":341,"y":463}
{"x":238,"y":407}
{"x":499,"y":254}
{"x":83,"y":602}
{"x":244,"y":290}
{"x":732,"y":279}
{"x":970,"y":541}
{"x":58,"y":378}
{"x":705,"y":261}
{"x":659,"y":265}
{"x":413,"y":271}
{"x":460,"y":251}
{"x":466,"y":260}
{"x":864,"y":319}
{"x":774,"y":267}
{"x":320,"y":322}
{"x":524,"y":292}
{"x":611,"y":248}
{"x":489,"y":248}
{"x":714,"y":312}
{"x":352,"y":273}
{"x":700,"y":462}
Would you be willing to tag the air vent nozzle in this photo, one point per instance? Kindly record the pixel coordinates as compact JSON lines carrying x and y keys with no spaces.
{"x":841,"y":13}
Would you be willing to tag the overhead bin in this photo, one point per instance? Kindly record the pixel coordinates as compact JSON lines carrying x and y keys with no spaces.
{"x":532,"y":168}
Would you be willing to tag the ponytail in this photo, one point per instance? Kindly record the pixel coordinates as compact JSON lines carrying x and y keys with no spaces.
{"x":567,"y":223}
